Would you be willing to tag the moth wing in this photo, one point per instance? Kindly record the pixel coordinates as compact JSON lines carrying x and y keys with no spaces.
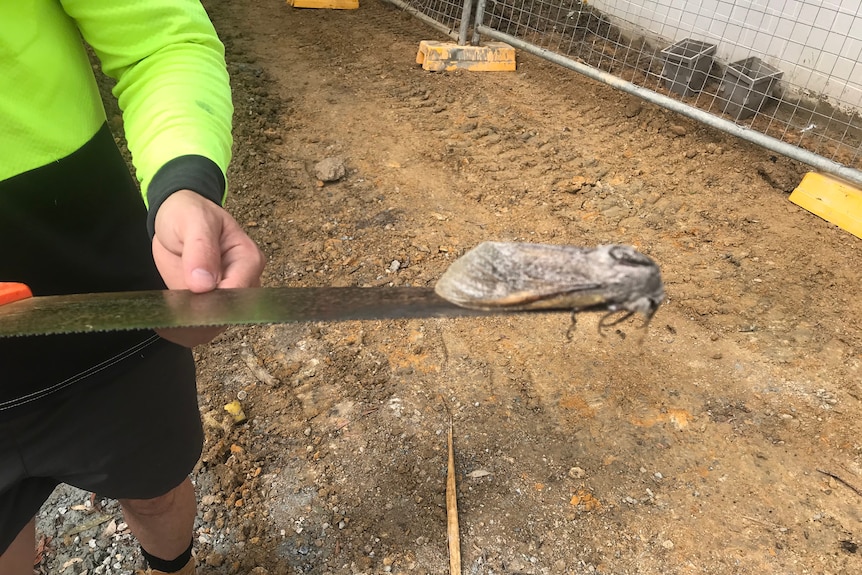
{"x":519,"y":276}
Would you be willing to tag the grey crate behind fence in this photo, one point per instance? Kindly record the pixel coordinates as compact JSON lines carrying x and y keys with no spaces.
{"x":785,"y":74}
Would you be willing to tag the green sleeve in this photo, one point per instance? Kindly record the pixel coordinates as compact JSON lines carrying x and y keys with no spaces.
{"x":172,"y":86}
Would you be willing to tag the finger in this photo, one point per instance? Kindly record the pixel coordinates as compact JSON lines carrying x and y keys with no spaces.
{"x":244,"y":270}
{"x":169,"y":264}
{"x":242,"y":261}
{"x":201,"y":255}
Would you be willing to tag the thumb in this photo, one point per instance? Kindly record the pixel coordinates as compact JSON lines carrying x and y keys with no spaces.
{"x":201,"y":280}
{"x":201,"y":258}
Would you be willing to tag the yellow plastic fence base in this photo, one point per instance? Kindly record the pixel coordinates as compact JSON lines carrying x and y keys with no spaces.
{"x":329,"y":4}
{"x":832,"y":199}
{"x":447,"y":56}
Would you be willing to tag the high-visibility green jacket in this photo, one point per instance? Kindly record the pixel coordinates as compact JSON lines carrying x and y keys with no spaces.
{"x":71,"y":220}
{"x":171,"y":84}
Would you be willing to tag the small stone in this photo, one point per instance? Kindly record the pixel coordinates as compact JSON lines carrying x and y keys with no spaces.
{"x":579,"y":182}
{"x":330,"y":170}
{"x":576,"y":473}
{"x":667,"y":544}
{"x":394,"y":266}
{"x":214,"y":559}
{"x":678,"y":130}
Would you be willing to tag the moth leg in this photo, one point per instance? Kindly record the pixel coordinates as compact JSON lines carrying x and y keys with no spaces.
{"x":644,"y":328}
{"x":601,"y":325}
{"x":570,"y":333}
{"x":647,"y":320}
{"x":605,"y":322}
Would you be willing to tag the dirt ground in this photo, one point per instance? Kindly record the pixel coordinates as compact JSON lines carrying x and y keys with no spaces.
{"x":723,"y":439}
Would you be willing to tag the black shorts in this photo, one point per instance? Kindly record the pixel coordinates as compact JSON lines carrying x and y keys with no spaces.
{"x":133,"y":430}
{"x":76,"y":225}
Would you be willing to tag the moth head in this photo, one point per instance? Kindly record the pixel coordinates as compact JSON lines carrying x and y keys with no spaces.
{"x":629,"y":256}
{"x":650,"y":293}
{"x":644,"y":289}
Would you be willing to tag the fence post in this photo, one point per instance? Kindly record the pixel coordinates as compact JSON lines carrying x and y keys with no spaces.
{"x":480,"y":15}
{"x":465,"y":22}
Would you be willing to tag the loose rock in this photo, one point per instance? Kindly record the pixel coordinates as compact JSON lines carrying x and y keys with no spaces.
{"x":330,"y":169}
{"x":678,"y":130}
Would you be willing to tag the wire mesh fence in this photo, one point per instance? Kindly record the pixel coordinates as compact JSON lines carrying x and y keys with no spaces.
{"x":444,"y":15}
{"x":779,"y":96}
{"x":788,"y":69}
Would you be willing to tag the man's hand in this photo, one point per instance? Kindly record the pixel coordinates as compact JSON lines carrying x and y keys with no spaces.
{"x":198,"y":246}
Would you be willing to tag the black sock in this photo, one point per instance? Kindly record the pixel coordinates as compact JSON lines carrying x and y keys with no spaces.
{"x":166,"y":566}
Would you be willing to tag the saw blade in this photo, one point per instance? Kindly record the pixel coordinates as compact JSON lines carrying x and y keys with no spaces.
{"x":119,"y":311}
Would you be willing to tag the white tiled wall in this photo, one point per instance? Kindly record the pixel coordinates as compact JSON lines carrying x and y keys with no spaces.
{"x":816,"y":43}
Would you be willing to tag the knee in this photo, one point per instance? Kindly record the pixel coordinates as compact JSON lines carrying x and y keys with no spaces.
{"x":158,"y":505}
{"x":149,"y":507}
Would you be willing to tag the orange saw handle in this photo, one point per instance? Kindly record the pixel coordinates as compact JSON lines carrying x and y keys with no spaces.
{"x":13,"y":291}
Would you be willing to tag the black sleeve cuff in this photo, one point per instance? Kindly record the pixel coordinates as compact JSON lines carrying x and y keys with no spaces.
{"x":191,"y":172}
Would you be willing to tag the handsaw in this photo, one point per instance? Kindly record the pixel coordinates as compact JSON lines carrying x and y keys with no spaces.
{"x":491,"y":278}
{"x":22,"y":314}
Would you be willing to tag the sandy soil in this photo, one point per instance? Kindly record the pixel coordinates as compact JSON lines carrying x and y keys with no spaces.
{"x":723,"y":439}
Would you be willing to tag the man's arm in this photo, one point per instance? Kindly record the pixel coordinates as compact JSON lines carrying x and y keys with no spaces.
{"x":172,"y":85}
{"x":173,"y":89}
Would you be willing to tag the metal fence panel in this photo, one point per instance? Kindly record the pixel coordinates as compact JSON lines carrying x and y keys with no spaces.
{"x":714,"y":64}
{"x":786,"y":74}
{"x":444,"y":15}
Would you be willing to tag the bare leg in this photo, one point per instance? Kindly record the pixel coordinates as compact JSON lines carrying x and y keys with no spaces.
{"x":18,"y":558}
{"x":163,"y":526}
